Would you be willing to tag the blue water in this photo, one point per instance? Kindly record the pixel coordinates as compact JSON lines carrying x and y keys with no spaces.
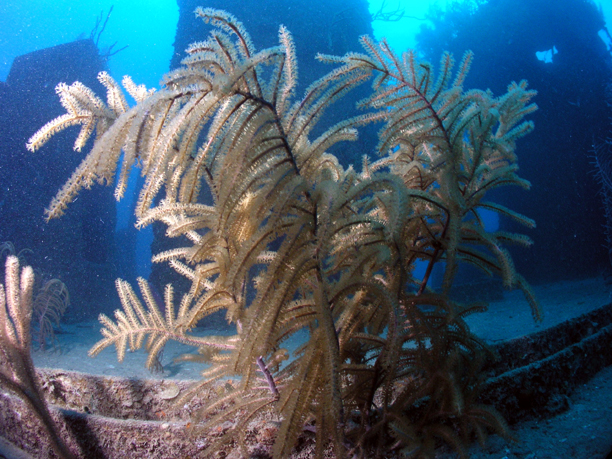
{"x":147,"y":31}
{"x":146,"y":27}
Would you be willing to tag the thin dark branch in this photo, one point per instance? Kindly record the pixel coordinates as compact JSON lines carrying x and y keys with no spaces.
{"x":395,"y":15}
{"x":110,"y":51}
{"x":95,"y":34}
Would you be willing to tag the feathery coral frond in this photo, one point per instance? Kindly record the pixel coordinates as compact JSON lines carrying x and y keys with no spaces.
{"x":290,"y":244}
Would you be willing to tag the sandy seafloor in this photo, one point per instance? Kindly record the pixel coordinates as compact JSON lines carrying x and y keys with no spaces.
{"x":584,"y":431}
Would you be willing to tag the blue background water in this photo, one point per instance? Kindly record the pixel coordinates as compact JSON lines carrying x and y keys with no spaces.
{"x":148,"y":30}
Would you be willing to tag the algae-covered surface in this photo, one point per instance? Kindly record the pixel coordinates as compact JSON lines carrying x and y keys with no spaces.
{"x":581,"y":426}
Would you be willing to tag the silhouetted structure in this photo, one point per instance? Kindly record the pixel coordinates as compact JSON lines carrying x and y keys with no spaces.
{"x":79,"y":247}
{"x":572,"y":90}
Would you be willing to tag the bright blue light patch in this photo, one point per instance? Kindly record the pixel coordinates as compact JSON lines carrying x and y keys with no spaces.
{"x":146,"y":27}
{"x":547,"y":56}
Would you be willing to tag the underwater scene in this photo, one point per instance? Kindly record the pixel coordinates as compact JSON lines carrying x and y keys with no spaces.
{"x":306,"y":229}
